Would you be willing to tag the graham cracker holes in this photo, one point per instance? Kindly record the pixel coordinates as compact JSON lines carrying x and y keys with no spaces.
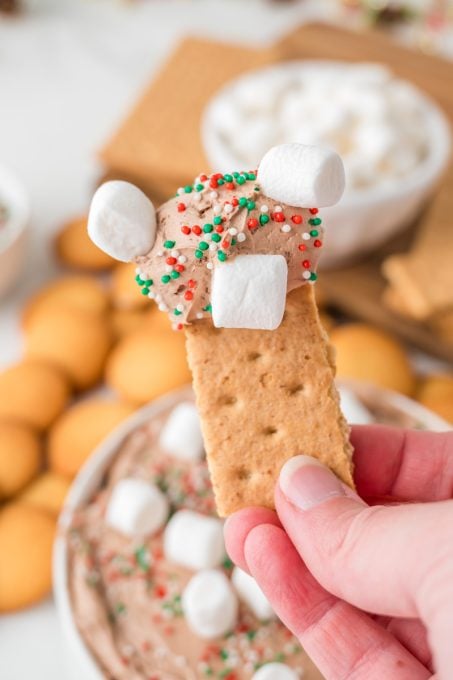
{"x":293,"y":390}
{"x":253,"y":356}
{"x":227,"y":400}
{"x":270,"y":431}
{"x":243,"y":474}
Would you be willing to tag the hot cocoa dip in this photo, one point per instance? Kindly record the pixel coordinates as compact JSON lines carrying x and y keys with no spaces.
{"x":127,"y":596}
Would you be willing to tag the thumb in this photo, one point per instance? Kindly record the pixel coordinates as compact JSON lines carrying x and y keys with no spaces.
{"x":391,"y":560}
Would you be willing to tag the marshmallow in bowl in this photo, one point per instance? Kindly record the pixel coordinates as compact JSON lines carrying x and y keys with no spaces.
{"x":210,"y":604}
{"x":375,"y":121}
{"x":353,"y":410}
{"x":136,"y":507}
{"x":249,"y":592}
{"x":181,"y":435}
{"x":194,"y":540}
{"x":275,"y":671}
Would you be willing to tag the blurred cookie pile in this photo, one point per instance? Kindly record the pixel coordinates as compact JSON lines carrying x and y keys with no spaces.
{"x":87,"y":330}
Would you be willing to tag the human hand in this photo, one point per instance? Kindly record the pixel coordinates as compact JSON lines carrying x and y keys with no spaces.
{"x":327,"y":555}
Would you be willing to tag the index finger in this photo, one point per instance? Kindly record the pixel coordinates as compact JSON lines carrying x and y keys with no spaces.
{"x":402,"y":465}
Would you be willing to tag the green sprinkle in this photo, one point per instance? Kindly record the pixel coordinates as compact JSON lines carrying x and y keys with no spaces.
{"x":120,"y":608}
{"x":264,"y":219}
{"x":315,"y":221}
{"x":199,"y":187}
{"x":166,"y":278}
{"x":208,"y":308}
{"x":224,"y":654}
{"x":279,"y":657}
{"x":240,"y":180}
{"x":177,"y":312}
{"x":220,"y":182}
{"x":313,"y":276}
{"x":217,"y":220}
{"x":228,"y":178}
{"x":208,"y":228}
{"x":149,"y":282}
{"x":169,"y":244}
{"x":208,"y":671}
{"x":203,"y":245}
{"x":233,"y":241}
{"x":227,"y":563}
{"x":142,"y":558}
{"x":235,"y":175}
{"x":216,"y":238}
{"x":188,"y":189}
{"x":250,"y":175}
{"x":175,"y":275}
{"x":145,"y":290}
{"x":251,"y":635}
{"x":222,"y":256}
{"x":139,"y":280}
{"x":242,"y":200}
{"x":199,"y":254}
{"x":251,"y":205}
{"x":314,"y":232}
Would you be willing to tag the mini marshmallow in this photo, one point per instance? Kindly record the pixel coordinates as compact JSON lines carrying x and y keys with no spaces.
{"x":249,"y":592}
{"x":181,"y":435}
{"x":249,"y":292}
{"x":194,"y":540}
{"x":353,"y":409}
{"x":210,"y":604}
{"x":122,"y":221}
{"x":302,"y":176}
{"x":275,"y":671}
{"x":136,"y":507}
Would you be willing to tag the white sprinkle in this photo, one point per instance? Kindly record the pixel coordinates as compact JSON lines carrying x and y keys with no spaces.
{"x":175,"y":328}
{"x":180,"y":308}
{"x":151,"y":295}
{"x":168,"y":268}
{"x":159,"y":253}
{"x":213,"y":194}
{"x":241,"y":237}
{"x":182,"y":259}
{"x":196,"y":197}
{"x":138,"y":271}
{"x":158,"y":297}
{"x":278,"y":208}
{"x":175,"y":253}
{"x":306,"y":236}
{"x":217,"y":208}
{"x":210,"y":265}
{"x":213,"y":247}
{"x":233,"y":231}
{"x":306,"y":275}
{"x":286,"y":228}
{"x":163,"y":307}
{"x":180,"y":191}
{"x":199,"y":315}
{"x":264,"y":208}
{"x":228,"y":208}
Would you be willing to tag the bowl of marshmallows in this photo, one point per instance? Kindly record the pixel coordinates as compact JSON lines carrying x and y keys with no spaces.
{"x":394,"y":141}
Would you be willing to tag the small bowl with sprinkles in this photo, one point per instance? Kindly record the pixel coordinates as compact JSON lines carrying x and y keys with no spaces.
{"x":14,"y":222}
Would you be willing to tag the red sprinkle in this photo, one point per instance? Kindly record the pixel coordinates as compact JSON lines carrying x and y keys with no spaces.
{"x":160,"y":591}
{"x":196,"y":229}
{"x":314,"y":211}
{"x":235,"y":201}
{"x":302,"y":247}
{"x":179,"y":327}
{"x":317,"y":243}
{"x":188,"y":295}
{"x":181,"y":207}
{"x":297,"y":219}
{"x":219,"y":229}
{"x":185,"y":230}
{"x":203,"y":178}
{"x":213,"y":183}
{"x":278,"y":217}
{"x":171,"y":260}
{"x":191,"y":283}
{"x":225,"y":243}
{"x":180,"y":268}
{"x":217,"y":175}
{"x":306,"y":264}
{"x":229,"y":185}
{"x":252,"y":223}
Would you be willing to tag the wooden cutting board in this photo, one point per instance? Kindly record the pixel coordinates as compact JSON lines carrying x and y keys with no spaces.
{"x":159,"y":146}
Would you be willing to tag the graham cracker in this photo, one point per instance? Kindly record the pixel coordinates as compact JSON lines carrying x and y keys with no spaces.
{"x":264,"y":397}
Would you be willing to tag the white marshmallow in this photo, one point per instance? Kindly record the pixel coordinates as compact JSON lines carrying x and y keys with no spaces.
{"x":181,"y":435}
{"x":122,"y":220}
{"x":275,"y":671}
{"x":210,"y":604}
{"x":353,"y":409}
{"x":249,"y":592}
{"x":194,"y":540}
{"x":249,"y":292}
{"x":136,"y":507}
{"x":302,"y":176}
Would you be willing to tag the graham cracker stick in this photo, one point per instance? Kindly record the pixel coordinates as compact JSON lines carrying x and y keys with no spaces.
{"x":263,"y":397}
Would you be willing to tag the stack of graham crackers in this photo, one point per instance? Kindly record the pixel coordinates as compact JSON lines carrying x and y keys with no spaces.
{"x":159,"y":148}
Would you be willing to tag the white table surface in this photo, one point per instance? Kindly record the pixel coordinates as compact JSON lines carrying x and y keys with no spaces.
{"x":69,"y":71}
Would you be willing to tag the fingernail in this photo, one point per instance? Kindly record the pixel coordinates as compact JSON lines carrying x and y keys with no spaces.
{"x":306,"y":482}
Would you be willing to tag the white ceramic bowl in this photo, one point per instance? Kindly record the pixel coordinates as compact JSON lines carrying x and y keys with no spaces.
{"x":13,"y":241}
{"x":81,"y":662}
{"x":365,"y":218}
